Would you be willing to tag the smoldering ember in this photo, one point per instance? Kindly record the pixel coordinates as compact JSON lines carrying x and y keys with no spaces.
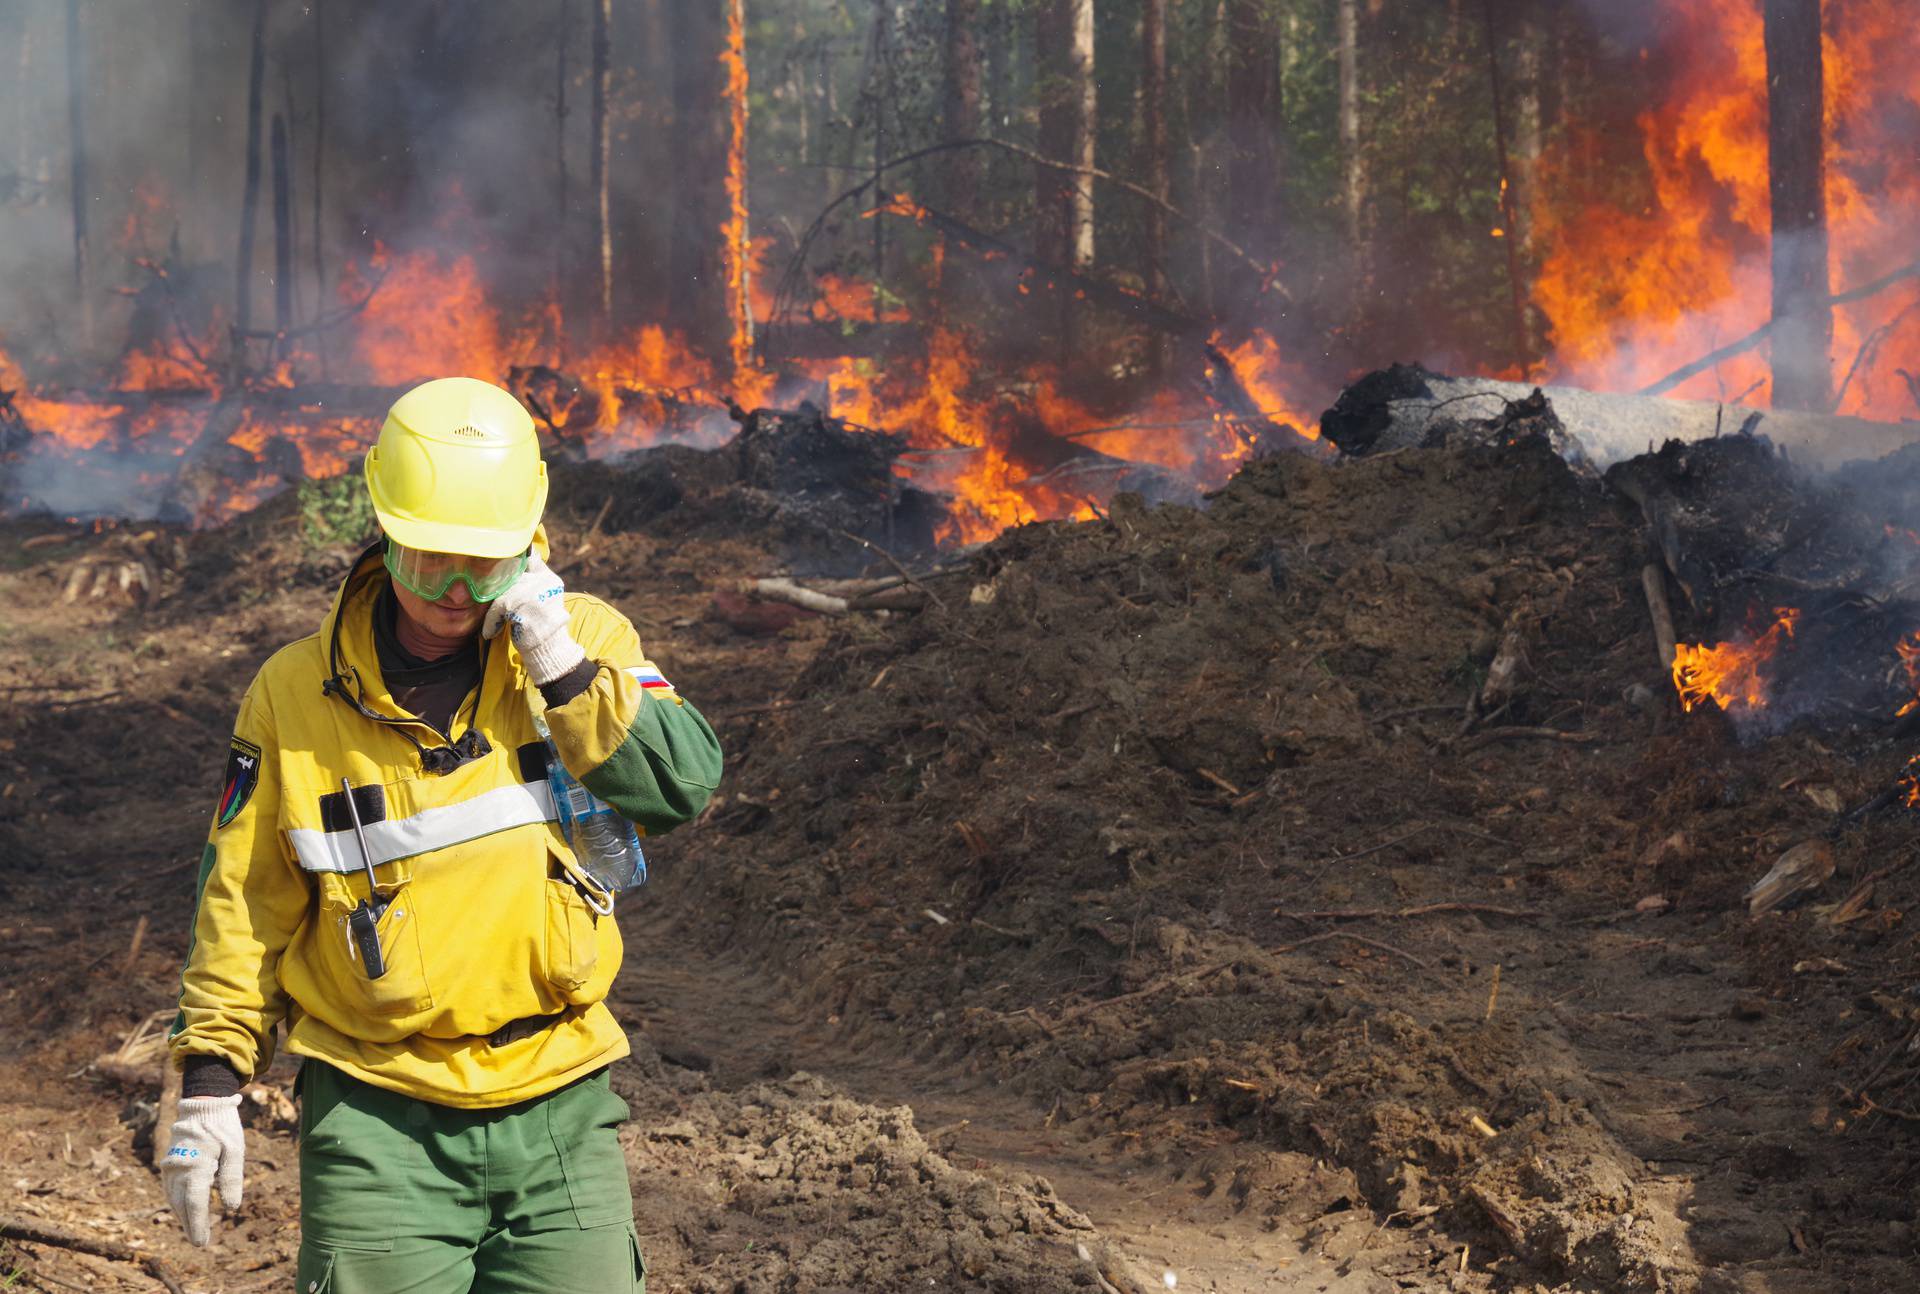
{"x":1281,"y":639}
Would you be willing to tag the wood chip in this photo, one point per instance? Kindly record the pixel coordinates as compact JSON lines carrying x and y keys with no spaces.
{"x":1804,"y":867}
{"x":1220,"y":782}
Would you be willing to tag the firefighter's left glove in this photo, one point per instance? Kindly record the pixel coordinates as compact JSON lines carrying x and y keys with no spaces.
{"x":206,"y":1151}
{"x":536,"y":606}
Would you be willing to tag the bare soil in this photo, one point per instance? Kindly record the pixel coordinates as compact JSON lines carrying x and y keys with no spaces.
{"x":1142,"y":910}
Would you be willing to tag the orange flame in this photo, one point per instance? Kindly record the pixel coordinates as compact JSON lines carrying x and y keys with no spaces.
{"x":1732,"y":675}
{"x":425,"y":316}
{"x":1909,"y":650}
{"x":1009,"y":446}
{"x":751,"y":385}
{"x":1633,"y":292}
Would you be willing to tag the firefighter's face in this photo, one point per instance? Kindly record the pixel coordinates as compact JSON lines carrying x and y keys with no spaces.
{"x":453,"y":615}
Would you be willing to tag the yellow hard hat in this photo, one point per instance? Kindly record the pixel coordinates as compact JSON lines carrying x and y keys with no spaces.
{"x":457,"y":470}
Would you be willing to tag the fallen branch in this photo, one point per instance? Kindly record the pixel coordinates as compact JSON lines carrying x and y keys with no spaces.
{"x":785,"y":291}
{"x":33,"y":1231}
{"x":1098,"y":290}
{"x":1492,"y":735}
{"x":895,"y":598}
{"x":1765,"y":330}
{"x":1157,"y":986}
{"x":906,"y":576}
{"x":1904,"y":1115}
{"x":1359,"y":939}
{"x":1362,"y":914}
{"x":1870,"y":348}
{"x":319,"y":323}
{"x":787,"y":591}
{"x":1385,"y":844}
{"x":1654,"y":584}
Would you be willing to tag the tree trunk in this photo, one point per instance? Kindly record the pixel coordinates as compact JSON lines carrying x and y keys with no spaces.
{"x":734,"y":236}
{"x":1509,"y":233}
{"x":879,"y":87}
{"x":1253,"y":79}
{"x":701,"y":134}
{"x":196,"y":40}
{"x":77,"y":148}
{"x":829,"y":122}
{"x":1354,"y":173}
{"x":961,"y":109}
{"x":1529,"y":119}
{"x":999,"y":91}
{"x":1204,"y":110}
{"x":1063,"y":202}
{"x":1802,"y":339}
{"x":282,"y":232}
{"x":250,"y":188}
{"x":563,"y":197}
{"x":319,"y":171}
{"x":598,"y":181}
{"x":1085,"y":106}
{"x":1153,"y":138}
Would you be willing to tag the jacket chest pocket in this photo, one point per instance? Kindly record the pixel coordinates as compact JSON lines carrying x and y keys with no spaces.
{"x":402,"y":987}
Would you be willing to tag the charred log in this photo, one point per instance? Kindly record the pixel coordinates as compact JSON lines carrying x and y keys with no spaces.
{"x":1406,"y":404}
{"x":835,"y":479}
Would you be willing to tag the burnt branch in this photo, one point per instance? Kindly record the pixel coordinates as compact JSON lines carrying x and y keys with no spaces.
{"x":1765,"y":330}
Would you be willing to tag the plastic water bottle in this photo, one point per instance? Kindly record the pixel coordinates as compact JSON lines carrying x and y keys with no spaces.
{"x":604,"y":843}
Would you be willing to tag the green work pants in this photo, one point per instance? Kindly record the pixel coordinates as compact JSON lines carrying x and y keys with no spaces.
{"x":399,"y":1196}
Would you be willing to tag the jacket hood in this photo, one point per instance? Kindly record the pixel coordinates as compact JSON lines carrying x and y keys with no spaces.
{"x":353,"y":671}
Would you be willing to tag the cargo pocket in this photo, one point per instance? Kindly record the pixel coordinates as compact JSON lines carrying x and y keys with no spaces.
{"x":573,"y":941}
{"x":315,"y":1269}
{"x":346,"y":1268}
{"x":403,"y":988}
{"x":639,"y":1264}
{"x":584,"y":1120}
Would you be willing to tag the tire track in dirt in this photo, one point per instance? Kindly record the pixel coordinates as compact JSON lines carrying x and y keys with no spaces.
{"x":742,"y":1022}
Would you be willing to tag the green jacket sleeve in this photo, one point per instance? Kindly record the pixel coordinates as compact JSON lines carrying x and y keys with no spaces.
{"x":631,"y":738}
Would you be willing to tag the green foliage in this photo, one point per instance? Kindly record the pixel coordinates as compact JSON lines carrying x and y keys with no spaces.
{"x":335,"y":510}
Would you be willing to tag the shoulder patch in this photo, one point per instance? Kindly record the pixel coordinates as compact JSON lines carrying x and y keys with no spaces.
{"x":243,"y":774}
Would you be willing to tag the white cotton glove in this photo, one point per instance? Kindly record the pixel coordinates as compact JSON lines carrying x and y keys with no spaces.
{"x":206,"y":1151}
{"x":536,"y":606}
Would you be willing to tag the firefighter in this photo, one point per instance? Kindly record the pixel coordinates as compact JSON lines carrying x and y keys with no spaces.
{"x":457,"y":1126}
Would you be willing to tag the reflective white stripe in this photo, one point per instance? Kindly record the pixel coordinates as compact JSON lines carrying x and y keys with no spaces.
{"x":500,"y":809}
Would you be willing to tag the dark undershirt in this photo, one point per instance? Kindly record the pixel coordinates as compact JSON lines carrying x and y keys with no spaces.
{"x":433,"y":690}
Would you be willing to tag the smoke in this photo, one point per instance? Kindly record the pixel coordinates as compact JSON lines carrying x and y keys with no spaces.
{"x":1626,"y":25}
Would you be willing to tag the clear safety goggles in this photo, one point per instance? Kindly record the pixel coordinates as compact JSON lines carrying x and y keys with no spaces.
{"x":430,"y":575}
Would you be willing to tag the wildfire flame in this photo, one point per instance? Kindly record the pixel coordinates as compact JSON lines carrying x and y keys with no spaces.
{"x":1632,"y":292}
{"x":1733,"y":675}
{"x":1909,"y":651}
{"x":735,"y":253}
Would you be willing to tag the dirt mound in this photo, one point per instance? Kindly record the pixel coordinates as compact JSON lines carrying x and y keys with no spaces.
{"x":793,"y":1185}
{"x":1110,"y":820}
{"x":1334,"y":855}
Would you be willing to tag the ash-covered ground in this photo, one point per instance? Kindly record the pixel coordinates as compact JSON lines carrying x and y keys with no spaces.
{"x":1149,"y":903}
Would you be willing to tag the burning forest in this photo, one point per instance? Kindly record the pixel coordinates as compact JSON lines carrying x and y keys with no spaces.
{"x":1311,"y":610}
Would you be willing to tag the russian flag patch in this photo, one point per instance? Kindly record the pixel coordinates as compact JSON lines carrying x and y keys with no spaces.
{"x":650,"y":678}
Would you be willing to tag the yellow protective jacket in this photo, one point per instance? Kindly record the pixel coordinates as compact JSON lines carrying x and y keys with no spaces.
{"x":484,"y":927}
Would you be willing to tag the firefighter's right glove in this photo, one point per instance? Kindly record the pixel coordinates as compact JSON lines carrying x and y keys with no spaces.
{"x":535,"y":606}
{"x":207,"y":1150}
